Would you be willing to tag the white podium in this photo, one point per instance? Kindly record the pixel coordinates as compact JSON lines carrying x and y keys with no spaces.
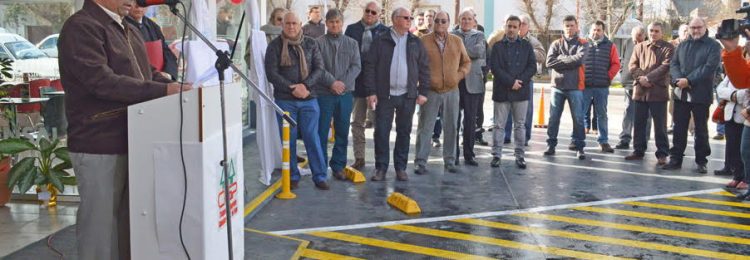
{"x":156,"y":179}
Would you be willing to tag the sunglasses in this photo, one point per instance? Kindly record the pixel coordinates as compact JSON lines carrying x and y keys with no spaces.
{"x":408,"y":18}
{"x":279,"y":19}
{"x":371,"y":12}
{"x":441,"y":21}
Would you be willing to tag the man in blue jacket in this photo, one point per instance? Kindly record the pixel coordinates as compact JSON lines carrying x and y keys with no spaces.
{"x":693,"y":67}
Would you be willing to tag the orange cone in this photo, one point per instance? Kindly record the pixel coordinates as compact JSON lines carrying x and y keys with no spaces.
{"x":540,"y":115}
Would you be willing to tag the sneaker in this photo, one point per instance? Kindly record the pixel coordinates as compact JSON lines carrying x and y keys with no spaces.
{"x":436,"y":142}
{"x":495,"y":162}
{"x":521,"y":163}
{"x":421,"y":170}
{"x":581,"y":155}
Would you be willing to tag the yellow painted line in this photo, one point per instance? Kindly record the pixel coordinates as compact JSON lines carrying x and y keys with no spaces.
{"x":691,"y":221}
{"x":303,"y":244}
{"x":396,"y":246}
{"x":315,"y":254}
{"x":602,"y":239}
{"x":652,"y":230}
{"x":498,"y":242}
{"x":724,"y":193}
{"x":714,"y":202}
{"x":250,"y":207}
{"x":689,"y":209}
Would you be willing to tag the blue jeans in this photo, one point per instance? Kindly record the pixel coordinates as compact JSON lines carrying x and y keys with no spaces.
{"x":529,"y":117}
{"x":745,"y":152}
{"x":339,"y":110}
{"x":599,"y":96}
{"x":557,"y":104}
{"x":307,"y":114}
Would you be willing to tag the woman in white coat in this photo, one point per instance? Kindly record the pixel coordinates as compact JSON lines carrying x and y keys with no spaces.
{"x":734,"y":124}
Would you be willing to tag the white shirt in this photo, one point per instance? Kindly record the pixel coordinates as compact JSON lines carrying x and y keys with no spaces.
{"x":114,"y":15}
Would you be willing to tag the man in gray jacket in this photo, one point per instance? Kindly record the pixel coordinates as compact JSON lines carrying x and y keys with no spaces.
{"x":472,"y":87}
{"x":565,"y":59}
{"x":342,"y":64}
{"x":637,"y":35}
{"x":693,"y":67}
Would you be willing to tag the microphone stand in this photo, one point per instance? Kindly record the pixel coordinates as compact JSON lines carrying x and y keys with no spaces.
{"x":223,"y":62}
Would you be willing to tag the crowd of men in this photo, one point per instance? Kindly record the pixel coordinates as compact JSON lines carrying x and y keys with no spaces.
{"x":346,"y":76}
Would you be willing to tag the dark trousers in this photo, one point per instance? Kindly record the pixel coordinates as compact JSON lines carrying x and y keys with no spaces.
{"x":745,"y":152}
{"x":438,"y":125}
{"x":480,"y":114}
{"x":403,"y":108}
{"x":682,"y":112}
{"x":529,"y":118}
{"x":656,"y":111}
{"x":732,"y":158}
{"x":470,"y":104}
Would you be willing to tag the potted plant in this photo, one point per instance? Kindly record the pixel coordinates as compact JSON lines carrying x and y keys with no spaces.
{"x":46,"y":167}
{"x":5,"y":69}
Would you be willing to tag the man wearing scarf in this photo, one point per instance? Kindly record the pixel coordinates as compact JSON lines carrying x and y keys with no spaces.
{"x":363,"y":32}
{"x":342,"y":64}
{"x":294,"y":66}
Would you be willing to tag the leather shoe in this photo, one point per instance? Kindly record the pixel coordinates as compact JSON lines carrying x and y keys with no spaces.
{"x":581,"y":155}
{"x":725,"y":171}
{"x":742,"y":186}
{"x":633,"y":157}
{"x":451,"y":168}
{"x":379,"y":176}
{"x":495,"y":162}
{"x":401,"y":176}
{"x":661,"y":161}
{"x":471,"y":162}
{"x":733,"y":184}
{"x":293,"y":185}
{"x":358,"y":164}
{"x":572,"y":147}
{"x":339,"y":175}
{"x":521,"y":163}
{"x":421,"y":170}
{"x":672,"y":165}
{"x":702,"y":168}
{"x":322,"y":185}
{"x":622,"y":145}
{"x":550,"y":151}
{"x":606,"y":148}
{"x":743,"y":196}
{"x":718,"y":137}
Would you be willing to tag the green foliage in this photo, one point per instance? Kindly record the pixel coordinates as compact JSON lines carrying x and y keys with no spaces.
{"x":47,"y":165}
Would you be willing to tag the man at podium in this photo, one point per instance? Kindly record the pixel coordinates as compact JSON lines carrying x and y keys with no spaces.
{"x":104,"y":68}
{"x":294,"y":65}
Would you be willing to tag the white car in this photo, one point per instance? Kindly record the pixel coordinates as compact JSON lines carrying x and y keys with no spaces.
{"x":26,"y":57}
{"x":49,"y":45}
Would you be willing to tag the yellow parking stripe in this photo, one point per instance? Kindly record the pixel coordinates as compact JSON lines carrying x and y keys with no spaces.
{"x":714,"y":202}
{"x":724,"y":193}
{"x":498,"y":242}
{"x":689,"y":209}
{"x":602,"y":239}
{"x":396,"y":246}
{"x":691,"y":221}
{"x":652,"y":230}
{"x":315,"y":254}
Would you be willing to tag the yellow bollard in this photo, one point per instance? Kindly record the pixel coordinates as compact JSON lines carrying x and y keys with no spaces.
{"x":286,"y":191}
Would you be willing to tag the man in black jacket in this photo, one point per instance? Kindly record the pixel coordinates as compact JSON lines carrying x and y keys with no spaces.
{"x":396,"y":62}
{"x":294,"y":65}
{"x":513,"y":63}
{"x":363,"y":32}
{"x":693,"y":67}
{"x":151,"y":32}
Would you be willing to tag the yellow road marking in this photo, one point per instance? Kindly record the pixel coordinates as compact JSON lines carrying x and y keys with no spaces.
{"x":602,"y":239}
{"x":689,"y":209}
{"x":300,"y":248}
{"x":724,"y":193}
{"x":665,"y":218}
{"x":652,"y":230}
{"x":498,"y":242}
{"x":315,"y":254}
{"x":715,"y":202}
{"x":396,"y":246}
{"x":262,"y":197}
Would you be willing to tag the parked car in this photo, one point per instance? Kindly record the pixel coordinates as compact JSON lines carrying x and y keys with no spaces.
{"x":49,"y":45}
{"x":26,"y":57}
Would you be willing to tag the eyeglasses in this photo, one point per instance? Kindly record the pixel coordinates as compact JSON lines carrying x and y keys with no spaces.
{"x":441,"y":21}
{"x":408,"y":18}
{"x":696,"y":27}
{"x":279,"y":19}
{"x":372,"y":12}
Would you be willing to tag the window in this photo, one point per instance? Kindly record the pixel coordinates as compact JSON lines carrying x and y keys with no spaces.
{"x":50,"y":43}
{"x":4,"y":54}
{"x":24,"y":50}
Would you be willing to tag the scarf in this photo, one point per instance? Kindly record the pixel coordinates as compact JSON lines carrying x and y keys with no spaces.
{"x":296,"y":43}
{"x":367,"y":36}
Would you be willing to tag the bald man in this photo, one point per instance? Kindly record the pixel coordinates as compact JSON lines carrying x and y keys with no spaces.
{"x":693,"y":68}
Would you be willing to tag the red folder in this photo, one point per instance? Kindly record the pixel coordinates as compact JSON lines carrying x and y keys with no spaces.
{"x":155,"y":54}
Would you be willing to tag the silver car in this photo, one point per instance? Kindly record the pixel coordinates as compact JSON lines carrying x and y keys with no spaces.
{"x":49,"y":45}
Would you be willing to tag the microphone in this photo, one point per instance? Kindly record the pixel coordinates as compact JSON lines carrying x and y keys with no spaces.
{"x":145,"y":3}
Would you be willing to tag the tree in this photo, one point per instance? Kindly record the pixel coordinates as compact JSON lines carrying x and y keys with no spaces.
{"x":541,"y":21}
{"x":612,"y":13}
{"x":414,"y":5}
{"x":385,"y":15}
